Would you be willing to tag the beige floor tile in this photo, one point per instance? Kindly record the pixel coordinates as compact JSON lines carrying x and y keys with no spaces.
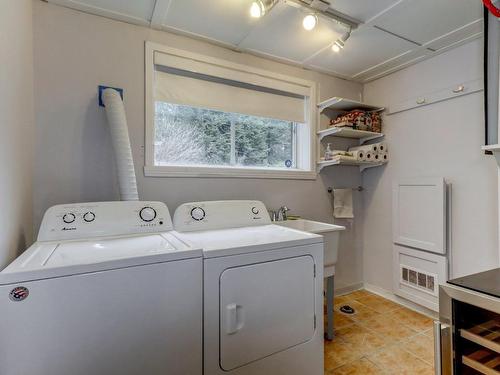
{"x":340,"y":320}
{"x":362,"y":312}
{"x":361,"y":366}
{"x":421,"y":346}
{"x":396,"y":360}
{"x":427,"y":370}
{"x":359,"y":294}
{"x":412,"y":319}
{"x":388,"y":327}
{"x":339,"y":353}
{"x":429,"y":332}
{"x":382,"y":337}
{"x":342,"y":299}
{"x":380,"y":304}
{"x":364,"y":340}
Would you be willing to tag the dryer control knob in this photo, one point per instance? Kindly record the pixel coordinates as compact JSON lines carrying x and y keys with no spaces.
{"x":147,"y":214}
{"x":89,"y":216}
{"x":198,"y":213}
{"x":69,"y":218}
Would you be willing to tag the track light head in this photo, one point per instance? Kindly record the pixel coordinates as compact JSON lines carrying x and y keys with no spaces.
{"x":257,"y":9}
{"x":309,"y":22}
{"x":339,"y":44}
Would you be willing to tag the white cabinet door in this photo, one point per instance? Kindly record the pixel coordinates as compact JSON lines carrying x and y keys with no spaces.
{"x":265,"y":308}
{"x":419,"y":214}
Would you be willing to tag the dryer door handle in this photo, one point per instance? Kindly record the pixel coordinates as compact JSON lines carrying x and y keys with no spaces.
{"x":234,"y":318}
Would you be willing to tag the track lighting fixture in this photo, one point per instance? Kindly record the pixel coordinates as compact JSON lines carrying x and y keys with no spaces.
{"x":309,"y":22}
{"x":257,"y":9}
{"x":340,"y":42}
{"x":261,"y":7}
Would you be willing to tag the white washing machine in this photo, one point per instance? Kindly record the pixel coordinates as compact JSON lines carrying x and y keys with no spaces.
{"x":107,"y":289}
{"x":263,"y":290}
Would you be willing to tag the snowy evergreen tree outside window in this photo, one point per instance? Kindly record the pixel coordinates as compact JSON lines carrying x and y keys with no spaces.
{"x":193,"y":136}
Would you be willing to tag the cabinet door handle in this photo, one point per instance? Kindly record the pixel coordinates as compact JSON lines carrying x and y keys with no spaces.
{"x":459,"y":89}
{"x":421,"y":101}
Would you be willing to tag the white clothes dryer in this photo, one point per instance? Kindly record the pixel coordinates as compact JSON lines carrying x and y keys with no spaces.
{"x":263,"y":290}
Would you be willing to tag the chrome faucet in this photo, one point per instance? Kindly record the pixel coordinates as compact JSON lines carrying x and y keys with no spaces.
{"x":282,"y":213}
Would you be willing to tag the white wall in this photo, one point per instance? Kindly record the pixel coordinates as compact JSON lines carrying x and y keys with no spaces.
{"x":442,"y":139}
{"x":17,"y":125}
{"x":75,"y":52}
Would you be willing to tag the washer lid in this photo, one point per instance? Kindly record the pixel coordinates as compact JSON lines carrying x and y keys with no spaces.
{"x":55,"y":259}
{"x":223,"y":242}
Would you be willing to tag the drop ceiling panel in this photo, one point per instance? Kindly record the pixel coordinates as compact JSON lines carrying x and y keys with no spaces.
{"x":138,"y":9}
{"x":364,"y":49}
{"x":392,"y":65}
{"x":425,"y":20}
{"x":282,"y":35}
{"x":227,"y":21}
{"x":473,"y":29}
{"x":362,"y":10}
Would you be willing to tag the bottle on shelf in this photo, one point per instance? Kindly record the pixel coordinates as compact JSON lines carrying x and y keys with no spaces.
{"x":328,"y":152}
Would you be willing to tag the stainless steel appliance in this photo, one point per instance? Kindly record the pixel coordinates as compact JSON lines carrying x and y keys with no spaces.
{"x":467,"y":335}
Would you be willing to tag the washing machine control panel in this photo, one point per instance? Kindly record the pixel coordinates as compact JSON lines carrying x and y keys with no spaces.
{"x":87,"y":220}
{"x":212,"y":215}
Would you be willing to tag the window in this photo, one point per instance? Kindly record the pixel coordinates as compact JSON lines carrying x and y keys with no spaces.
{"x":207,"y":117}
{"x":187,"y":135}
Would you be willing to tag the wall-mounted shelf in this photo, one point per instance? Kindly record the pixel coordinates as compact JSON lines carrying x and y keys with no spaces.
{"x":344,"y":105}
{"x":361,"y":164}
{"x":346,"y":132}
{"x":495,"y":149}
{"x":492,"y":148}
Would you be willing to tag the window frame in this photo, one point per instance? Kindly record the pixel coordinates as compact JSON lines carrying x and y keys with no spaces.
{"x":306,"y":145}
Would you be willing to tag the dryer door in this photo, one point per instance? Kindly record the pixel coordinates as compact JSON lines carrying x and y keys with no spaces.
{"x":265,"y":308}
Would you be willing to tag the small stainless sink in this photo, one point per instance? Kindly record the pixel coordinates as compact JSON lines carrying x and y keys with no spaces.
{"x":330,"y":232}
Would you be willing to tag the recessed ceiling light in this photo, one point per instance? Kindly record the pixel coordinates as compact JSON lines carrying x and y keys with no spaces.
{"x":257,"y":9}
{"x":309,"y":22}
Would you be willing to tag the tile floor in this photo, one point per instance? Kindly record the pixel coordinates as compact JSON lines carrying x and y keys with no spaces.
{"x":382,"y":337}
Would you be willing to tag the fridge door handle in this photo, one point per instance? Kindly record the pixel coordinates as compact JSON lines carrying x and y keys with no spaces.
{"x":441,"y":346}
{"x":437,"y":348}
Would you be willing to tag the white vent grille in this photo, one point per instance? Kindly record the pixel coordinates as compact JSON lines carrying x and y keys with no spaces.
{"x":419,"y":279}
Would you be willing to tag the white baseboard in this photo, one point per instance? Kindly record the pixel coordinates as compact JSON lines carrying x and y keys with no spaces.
{"x":348,"y":289}
{"x":401,"y":301}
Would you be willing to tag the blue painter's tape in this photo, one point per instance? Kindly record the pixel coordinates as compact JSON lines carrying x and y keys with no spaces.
{"x":102,"y":88}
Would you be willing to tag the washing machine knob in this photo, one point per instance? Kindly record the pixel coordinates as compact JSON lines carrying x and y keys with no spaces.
{"x":198,"y":213}
{"x":89,"y":216}
{"x":147,"y":214}
{"x":69,"y":218}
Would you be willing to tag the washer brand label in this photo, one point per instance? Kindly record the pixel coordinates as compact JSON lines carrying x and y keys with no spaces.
{"x":19,"y":294}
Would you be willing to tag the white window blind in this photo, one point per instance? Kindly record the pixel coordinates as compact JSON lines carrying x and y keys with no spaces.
{"x":185,"y":81}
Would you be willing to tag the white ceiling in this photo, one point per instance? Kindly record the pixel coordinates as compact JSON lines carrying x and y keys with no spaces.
{"x":392,"y":35}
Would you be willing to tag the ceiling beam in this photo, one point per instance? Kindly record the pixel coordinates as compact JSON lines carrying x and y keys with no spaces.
{"x":90,"y":9}
{"x":159,"y":15}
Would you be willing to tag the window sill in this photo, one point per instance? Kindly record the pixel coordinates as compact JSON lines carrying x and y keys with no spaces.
{"x":228,"y":172}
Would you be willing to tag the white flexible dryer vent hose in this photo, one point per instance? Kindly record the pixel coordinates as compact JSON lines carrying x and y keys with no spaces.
{"x":115,"y":112}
